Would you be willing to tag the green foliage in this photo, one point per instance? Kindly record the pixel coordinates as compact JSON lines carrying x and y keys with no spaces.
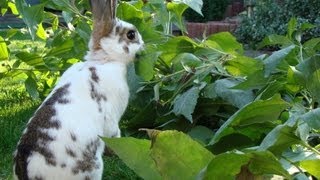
{"x":272,"y":17}
{"x":255,"y":115}
{"x":211,"y":10}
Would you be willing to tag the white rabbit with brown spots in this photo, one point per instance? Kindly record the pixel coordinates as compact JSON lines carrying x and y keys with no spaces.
{"x":61,"y":140}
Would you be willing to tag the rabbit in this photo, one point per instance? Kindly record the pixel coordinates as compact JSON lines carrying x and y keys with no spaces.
{"x":62,"y":139}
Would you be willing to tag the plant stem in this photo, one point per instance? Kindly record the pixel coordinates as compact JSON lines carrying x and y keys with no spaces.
{"x":292,"y":163}
{"x":311,"y":148}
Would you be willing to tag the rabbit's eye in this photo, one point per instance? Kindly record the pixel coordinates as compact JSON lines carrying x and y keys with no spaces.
{"x":131,"y":34}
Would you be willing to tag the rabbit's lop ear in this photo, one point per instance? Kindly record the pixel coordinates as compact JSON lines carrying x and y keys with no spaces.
{"x":104,"y":15}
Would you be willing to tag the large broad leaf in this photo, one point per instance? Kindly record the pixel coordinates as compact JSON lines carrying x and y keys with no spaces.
{"x":254,"y":113}
{"x":177,"y":10}
{"x":264,"y":162}
{"x":279,"y":139}
{"x":226,"y":42}
{"x":309,"y":66}
{"x":312,"y":118}
{"x":177,"y":156}
{"x":312,"y":46}
{"x":201,"y":134}
{"x":31,"y":86}
{"x":272,"y":61}
{"x":126,"y":11}
{"x":255,"y":80}
{"x":4,"y":55}
{"x":312,"y":166}
{"x":136,"y":154}
{"x":186,"y":61}
{"x":243,"y":66}
{"x":176,"y":45}
{"x":185,"y":103}
{"x":313,"y":84}
{"x":144,"y":66}
{"x":275,"y":39}
{"x":30,"y":58}
{"x":65,"y":5}
{"x":271,"y":89}
{"x":196,"y":5}
{"x":258,"y":163}
{"x":223,"y":88}
{"x":31,"y":15}
{"x":226,"y":166}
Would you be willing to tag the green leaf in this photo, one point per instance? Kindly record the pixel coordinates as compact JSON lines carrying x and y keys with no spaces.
{"x":226,"y":42}
{"x":31,"y":15}
{"x":177,"y":10}
{"x":312,"y":46}
{"x":256,"y":112}
{"x":272,"y":61}
{"x":264,"y":162}
{"x":185,"y":103}
{"x":196,"y":5}
{"x":312,"y":166}
{"x":144,"y":66}
{"x":275,"y":39}
{"x":13,"y":8}
{"x":292,"y":27}
{"x":243,"y":66}
{"x":175,"y":46}
{"x":186,"y":61}
{"x":177,"y":156}
{"x":65,"y":5}
{"x":279,"y":139}
{"x":136,"y":154}
{"x":226,"y":166}
{"x":258,"y":163}
{"x":313,"y":85}
{"x":31,"y":59}
{"x":309,"y":66}
{"x":4,"y":55}
{"x":32,"y":87}
{"x":41,"y":33}
{"x":255,"y":80}
{"x":312,"y":118}
{"x":271,"y":89}
{"x":238,"y":98}
{"x":126,"y":11}
{"x":201,"y":134}
{"x":61,"y":50}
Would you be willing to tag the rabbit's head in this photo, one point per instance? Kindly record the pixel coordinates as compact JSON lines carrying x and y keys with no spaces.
{"x":112,"y":39}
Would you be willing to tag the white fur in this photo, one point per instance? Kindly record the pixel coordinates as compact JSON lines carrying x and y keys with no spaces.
{"x":81,"y":116}
{"x":112,"y":49}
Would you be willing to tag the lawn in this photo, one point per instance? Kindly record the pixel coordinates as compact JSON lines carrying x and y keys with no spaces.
{"x":16,"y":107}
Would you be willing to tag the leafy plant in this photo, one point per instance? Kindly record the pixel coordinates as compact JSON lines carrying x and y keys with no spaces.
{"x":255,"y":115}
{"x":272,"y":17}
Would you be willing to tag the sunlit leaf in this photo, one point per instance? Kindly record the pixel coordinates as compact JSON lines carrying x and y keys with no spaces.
{"x":136,"y":154}
{"x":256,"y":112}
{"x":312,"y":166}
{"x":177,"y":156}
{"x":195,"y":5}
{"x":4,"y":55}
{"x":226,"y":42}
{"x":279,"y":139}
{"x":272,"y":61}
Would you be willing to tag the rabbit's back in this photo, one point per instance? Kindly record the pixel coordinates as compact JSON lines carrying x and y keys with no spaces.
{"x":61,"y":140}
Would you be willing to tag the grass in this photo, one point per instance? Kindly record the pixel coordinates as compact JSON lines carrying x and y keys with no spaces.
{"x":15,"y":110}
{"x":16,"y":107}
